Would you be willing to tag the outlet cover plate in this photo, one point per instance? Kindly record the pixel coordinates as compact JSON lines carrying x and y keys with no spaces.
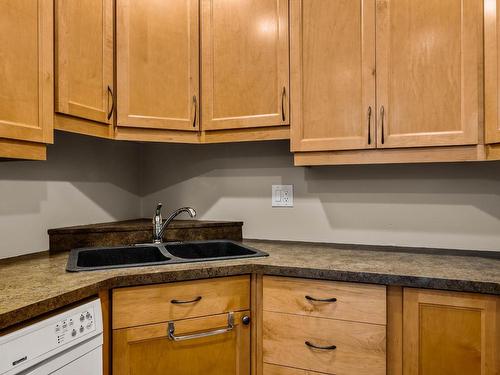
{"x":282,"y":195}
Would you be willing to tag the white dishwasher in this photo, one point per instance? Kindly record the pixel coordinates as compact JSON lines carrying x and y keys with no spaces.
{"x":69,"y":343}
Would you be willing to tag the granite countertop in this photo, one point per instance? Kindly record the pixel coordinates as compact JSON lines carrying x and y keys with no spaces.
{"x":36,"y":284}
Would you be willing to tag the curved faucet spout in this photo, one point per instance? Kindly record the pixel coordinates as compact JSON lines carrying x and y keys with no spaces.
{"x":160,"y":229}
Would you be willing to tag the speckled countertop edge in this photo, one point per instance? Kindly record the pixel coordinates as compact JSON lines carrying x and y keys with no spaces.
{"x":33,"y":285}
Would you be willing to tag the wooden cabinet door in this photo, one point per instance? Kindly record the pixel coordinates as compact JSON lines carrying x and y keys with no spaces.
{"x":245,"y":63}
{"x":26,"y":70}
{"x":332,"y":74}
{"x":84,"y":59}
{"x":148,"y":350}
{"x":157,"y":64}
{"x":492,"y":70}
{"x":429,"y":57}
{"x":449,"y":333}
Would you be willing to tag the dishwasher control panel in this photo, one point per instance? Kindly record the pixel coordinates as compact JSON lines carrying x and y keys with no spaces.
{"x":46,"y":338}
{"x":72,"y":327}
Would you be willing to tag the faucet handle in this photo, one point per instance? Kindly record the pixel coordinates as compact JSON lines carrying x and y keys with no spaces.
{"x":158,"y":209}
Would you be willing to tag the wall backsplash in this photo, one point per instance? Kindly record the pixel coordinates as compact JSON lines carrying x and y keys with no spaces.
{"x":84,"y":180}
{"x":87,"y":180}
{"x":429,"y":205}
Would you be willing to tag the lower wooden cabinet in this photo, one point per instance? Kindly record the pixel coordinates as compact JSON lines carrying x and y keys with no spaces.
{"x":183,"y":328}
{"x":149,"y":350}
{"x":450,"y":333}
{"x":324,"y":327}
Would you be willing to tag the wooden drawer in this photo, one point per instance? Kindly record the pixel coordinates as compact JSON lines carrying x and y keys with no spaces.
{"x":281,"y":370}
{"x":355,"y":302}
{"x":360,"y":347}
{"x":149,"y":304}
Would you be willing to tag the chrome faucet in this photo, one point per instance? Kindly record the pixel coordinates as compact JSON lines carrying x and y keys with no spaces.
{"x":159,"y":225}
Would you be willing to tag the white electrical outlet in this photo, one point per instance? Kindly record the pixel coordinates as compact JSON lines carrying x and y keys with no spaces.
{"x":282,"y":196}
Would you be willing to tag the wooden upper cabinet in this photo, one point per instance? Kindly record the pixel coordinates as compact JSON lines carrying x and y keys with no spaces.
{"x":429,"y":58}
{"x":449,"y":333}
{"x":492,"y":70}
{"x":84,"y":59}
{"x":26,"y":70}
{"x":158,"y":63}
{"x":245,"y":63}
{"x":333,"y":74}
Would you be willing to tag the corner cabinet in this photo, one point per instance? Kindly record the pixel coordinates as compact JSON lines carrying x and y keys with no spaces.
{"x":204,"y":71}
{"x":183,"y":328}
{"x":26,"y":78}
{"x":428,"y":89}
{"x":450,"y":333}
{"x":245,"y":63}
{"x":84,"y":66}
{"x":157,"y":64}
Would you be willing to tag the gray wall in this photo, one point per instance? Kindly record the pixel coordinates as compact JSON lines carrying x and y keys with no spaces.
{"x":430,"y":205}
{"x":85,"y":180}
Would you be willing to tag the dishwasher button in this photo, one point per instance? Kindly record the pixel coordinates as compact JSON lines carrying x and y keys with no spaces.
{"x":73,"y":333}
{"x":82,"y":318}
{"x":81,"y":329}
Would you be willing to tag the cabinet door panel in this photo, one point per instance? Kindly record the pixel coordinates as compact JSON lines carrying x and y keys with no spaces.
{"x":84,"y":63}
{"x":333,"y":74}
{"x":492,"y":70}
{"x":147,"y":349}
{"x":26,"y":70}
{"x":245,"y":63}
{"x":157,"y":64}
{"x":428,"y":72}
{"x":449,"y":333}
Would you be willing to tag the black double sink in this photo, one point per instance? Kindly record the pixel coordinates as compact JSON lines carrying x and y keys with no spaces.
{"x":101,"y":258}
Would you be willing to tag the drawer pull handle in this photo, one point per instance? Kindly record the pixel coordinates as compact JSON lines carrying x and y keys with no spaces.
{"x":180,"y":302}
{"x":309,"y":298}
{"x":191,"y":336}
{"x":331,"y":347}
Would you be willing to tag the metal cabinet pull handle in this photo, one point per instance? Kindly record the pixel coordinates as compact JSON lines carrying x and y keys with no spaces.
{"x":110,"y":92}
{"x":382,"y":115}
{"x":198,"y":335}
{"x":309,"y":298}
{"x":195,"y":102}
{"x":311,"y":345}
{"x":369,"y":125}
{"x":180,"y":302}
{"x":283,"y":94}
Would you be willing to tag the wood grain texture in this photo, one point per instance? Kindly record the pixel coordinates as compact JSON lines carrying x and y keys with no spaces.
{"x":147,"y":350}
{"x":450,"y":333}
{"x":245,"y":63}
{"x":84,"y":58}
{"x":26,"y":55}
{"x":429,"y":58}
{"x":158,"y":64}
{"x":257,"y":313}
{"x":332,"y":74}
{"x":14,"y":149}
{"x":270,"y":369}
{"x":392,"y":156}
{"x":360,"y":347}
{"x":152,"y":304}
{"x":81,"y":126}
{"x":491,"y":71}
{"x":394,"y":330}
{"x":211,"y":136}
{"x":355,"y":302}
{"x":105,"y":298}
